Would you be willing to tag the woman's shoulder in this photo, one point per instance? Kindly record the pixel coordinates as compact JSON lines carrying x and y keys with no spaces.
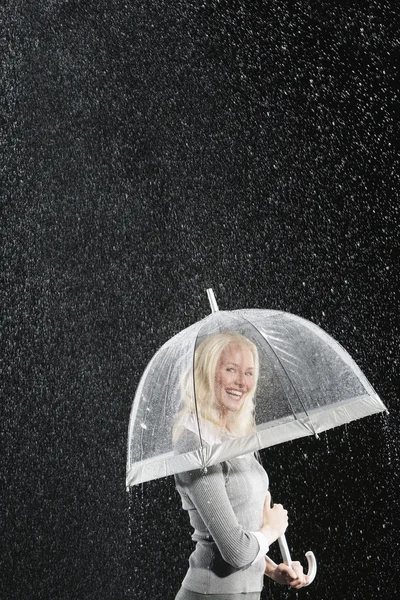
{"x":188,"y":441}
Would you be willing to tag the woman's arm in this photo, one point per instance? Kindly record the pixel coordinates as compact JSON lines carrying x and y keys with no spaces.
{"x":237,"y":546}
{"x":209,"y":496}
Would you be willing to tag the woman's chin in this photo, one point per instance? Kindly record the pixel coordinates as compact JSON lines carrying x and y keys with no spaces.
{"x":233,"y":406}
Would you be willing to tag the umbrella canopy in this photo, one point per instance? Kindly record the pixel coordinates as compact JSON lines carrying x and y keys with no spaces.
{"x":307,"y":384}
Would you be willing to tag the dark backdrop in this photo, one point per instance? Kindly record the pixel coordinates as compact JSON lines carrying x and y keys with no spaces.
{"x":152,"y":149}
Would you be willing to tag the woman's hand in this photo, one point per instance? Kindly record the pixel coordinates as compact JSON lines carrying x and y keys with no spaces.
{"x":292,"y":576}
{"x":275,"y":520}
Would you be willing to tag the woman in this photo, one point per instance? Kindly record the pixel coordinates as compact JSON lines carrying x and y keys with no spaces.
{"x":229,"y":506}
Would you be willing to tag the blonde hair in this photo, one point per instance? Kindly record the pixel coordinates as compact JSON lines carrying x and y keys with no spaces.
{"x":206,"y":359}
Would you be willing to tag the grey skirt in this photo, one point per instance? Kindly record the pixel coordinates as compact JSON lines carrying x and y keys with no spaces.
{"x":185,"y":594}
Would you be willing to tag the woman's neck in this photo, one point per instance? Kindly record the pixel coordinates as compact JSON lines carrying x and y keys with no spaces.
{"x":223,"y":421}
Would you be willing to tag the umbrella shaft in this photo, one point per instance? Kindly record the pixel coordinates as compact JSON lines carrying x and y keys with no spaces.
{"x":285,"y":552}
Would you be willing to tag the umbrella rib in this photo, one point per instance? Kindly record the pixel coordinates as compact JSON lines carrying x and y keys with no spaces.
{"x":286,"y":373}
{"x":204,"y":468}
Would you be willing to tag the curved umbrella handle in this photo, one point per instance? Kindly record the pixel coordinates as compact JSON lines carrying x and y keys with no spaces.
{"x":312,"y":566}
{"x":311,"y":560}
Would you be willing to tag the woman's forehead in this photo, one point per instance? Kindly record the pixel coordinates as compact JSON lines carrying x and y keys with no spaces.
{"x":237,"y":354}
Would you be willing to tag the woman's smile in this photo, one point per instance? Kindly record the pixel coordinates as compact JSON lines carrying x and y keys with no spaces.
{"x":235,"y":394}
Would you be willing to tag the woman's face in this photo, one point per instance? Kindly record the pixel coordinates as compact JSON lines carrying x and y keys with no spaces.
{"x":234,"y":377}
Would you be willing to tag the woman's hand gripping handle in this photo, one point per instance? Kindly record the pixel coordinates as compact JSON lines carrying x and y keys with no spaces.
{"x":275,"y":520}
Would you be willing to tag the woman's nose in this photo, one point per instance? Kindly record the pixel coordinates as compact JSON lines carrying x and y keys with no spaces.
{"x":239,"y":380}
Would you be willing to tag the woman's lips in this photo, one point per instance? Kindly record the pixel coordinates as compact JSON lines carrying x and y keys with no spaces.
{"x":234,"y":394}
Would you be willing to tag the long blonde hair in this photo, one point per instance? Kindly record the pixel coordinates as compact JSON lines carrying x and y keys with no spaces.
{"x":206,"y":360}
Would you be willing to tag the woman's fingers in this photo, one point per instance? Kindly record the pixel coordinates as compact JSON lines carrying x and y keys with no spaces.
{"x":298,"y":584}
{"x":275,"y":517}
{"x":300,"y":578}
{"x":288,"y":573}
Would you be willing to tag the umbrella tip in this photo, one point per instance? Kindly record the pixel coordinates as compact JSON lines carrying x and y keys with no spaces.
{"x":212,"y":300}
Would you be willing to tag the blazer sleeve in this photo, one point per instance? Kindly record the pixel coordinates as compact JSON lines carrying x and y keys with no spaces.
{"x":208,"y":494}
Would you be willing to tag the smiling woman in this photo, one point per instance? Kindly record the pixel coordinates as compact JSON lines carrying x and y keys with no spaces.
{"x":226,"y":369}
{"x":229,"y":504}
{"x":234,"y":379}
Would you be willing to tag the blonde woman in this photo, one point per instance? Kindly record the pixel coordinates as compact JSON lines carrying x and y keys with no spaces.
{"x":229,"y":506}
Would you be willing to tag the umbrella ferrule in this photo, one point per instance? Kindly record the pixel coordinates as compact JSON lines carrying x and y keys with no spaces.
{"x":212,"y":300}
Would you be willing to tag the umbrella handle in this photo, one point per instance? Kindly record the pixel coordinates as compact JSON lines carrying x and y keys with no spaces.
{"x":311,"y":560}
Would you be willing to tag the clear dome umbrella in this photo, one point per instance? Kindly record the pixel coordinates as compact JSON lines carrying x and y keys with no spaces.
{"x":307,"y":384}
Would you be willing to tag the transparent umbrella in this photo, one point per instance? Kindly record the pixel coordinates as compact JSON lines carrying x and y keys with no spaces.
{"x":307,"y":384}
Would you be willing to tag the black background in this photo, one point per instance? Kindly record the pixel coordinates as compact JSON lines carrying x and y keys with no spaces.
{"x":151,"y":150}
